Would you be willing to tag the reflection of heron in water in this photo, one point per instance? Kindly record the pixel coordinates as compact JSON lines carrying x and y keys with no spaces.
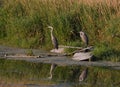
{"x":53,"y":38}
{"x":84,"y":37}
{"x":83,"y":75}
{"x":51,"y":70}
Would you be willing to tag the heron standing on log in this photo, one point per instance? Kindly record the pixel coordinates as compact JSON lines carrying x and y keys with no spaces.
{"x":84,"y":37}
{"x":53,"y":38}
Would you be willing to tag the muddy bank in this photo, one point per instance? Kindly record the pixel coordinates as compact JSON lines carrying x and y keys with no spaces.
{"x":33,"y":85}
{"x":47,"y":57}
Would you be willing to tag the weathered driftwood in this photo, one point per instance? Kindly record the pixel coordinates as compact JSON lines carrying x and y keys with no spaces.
{"x":88,"y":49}
{"x":59,"y":50}
{"x":83,"y":54}
{"x":81,"y":49}
{"x":61,"y":46}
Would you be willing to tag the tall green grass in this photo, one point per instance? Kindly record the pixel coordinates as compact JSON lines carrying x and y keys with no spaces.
{"x":24,"y":23}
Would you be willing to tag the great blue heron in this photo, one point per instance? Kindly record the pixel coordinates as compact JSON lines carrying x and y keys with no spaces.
{"x":53,"y":38}
{"x":83,"y":75}
{"x":84,"y":37}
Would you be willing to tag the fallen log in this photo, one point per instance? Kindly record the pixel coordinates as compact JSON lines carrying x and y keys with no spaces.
{"x":61,"y":46}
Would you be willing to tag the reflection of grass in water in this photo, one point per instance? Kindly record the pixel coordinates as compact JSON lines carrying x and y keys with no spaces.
{"x":37,"y":73}
{"x":22,"y":71}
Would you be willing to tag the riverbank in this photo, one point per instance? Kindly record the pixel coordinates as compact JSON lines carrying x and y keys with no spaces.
{"x":40,"y":56}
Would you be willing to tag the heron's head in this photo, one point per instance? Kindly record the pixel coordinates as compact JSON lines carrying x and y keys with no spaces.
{"x":50,"y":27}
{"x":81,"y":33}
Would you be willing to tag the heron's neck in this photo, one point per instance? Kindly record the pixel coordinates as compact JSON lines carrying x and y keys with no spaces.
{"x":52,"y":32}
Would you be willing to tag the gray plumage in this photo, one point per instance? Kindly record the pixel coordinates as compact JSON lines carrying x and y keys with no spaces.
{"x":53,"y":38}
{"x":83,"y":75}
{"x":84,"y":37}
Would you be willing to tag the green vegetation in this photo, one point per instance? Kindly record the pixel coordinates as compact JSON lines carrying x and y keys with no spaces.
{"x":23,"y":23}
{"x":21,"y":72}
